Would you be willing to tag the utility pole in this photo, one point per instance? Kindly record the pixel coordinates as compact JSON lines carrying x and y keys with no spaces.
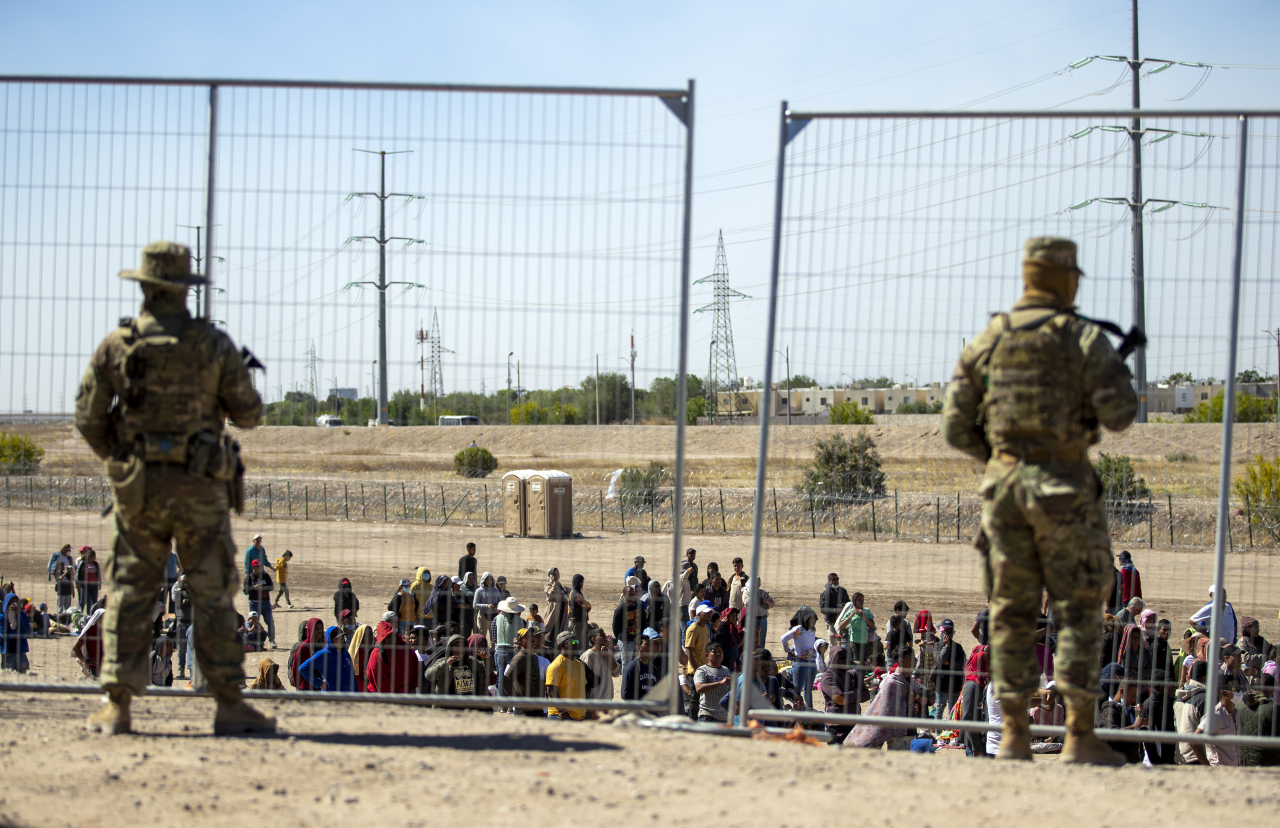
{"x":199,"y":258}
{"x":1139,"y":286}
{"x":1276,"y":336}
{"x":633,"y":377}
{"x":787,"y":356}
{"x":509,"y":355}
{"x":382,"y":284}
{"x":597,"y":389}
{"x":722,"y":372}
{"x":421,"y":337}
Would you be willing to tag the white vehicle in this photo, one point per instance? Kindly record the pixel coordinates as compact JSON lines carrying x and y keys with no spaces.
{"x":329,"y":421}
{"x":459,"y":419}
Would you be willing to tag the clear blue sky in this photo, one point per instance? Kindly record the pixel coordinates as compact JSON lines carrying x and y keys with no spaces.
{"x":745,"y":56}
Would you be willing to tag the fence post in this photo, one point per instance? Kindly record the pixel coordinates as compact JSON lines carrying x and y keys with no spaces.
{"x":404,"y":502}
{"x":7,"y":496}
{"x":384,"y":502}
{"x":601,"y":493}
{"x":833,"y":520}
{"x":1248,"y":518}
{"x":895,"y":513}
{"x":59,"y":488}
{"x":306,"y":505}
{"x":288,"y":496}
{"x":324,"y":497}
{"x":270,"y":511}
{"x":424,"y":502}
{"x":443,"y":507}
{"x":364,"y":512}
{"x":937,"y":520}
{"x":957,"y":517}
{"x":723,"y":526}
{"x":873,"y":518}
{"x":486,"y":503}
{"x":346,"y":502}
{"x":776,"y":529}
{"x":813,"y":520}
{"x":1170,"y":496}
{"x":622,"y":513}
{"x":652,"y":498}
{"x":702,"y":515}
{"x":1151,"y":522}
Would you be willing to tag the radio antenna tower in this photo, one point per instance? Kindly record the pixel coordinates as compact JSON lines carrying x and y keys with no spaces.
{"x":722,"y":372}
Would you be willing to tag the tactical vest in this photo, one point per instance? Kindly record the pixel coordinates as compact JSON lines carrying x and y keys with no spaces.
{"x":170,"y":398}
{"x":1035,"y":386}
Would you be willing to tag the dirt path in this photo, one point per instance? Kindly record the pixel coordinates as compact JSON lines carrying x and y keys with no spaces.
{"x":371,"y":765}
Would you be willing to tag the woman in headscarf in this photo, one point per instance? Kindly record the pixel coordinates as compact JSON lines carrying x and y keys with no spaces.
{"x":729,"y":635}
{"x":600,"y":661}
{"x":842,"y":690}
{"x":392,"y":667}
{"x":162,"y":663}
{"x":310,"y":642}
{"x":973,"y":700}
{"x":330,"y":670}
{"x":556,"y":610}
{"x":1135,"y":655}
{"x":440,"y":602}
{"x":579,"y":612}
{"x":88,"y":646}
{"x":268,"y":676}
{"x":1253,"y":647}
{"x":359,"y":649}
{"x":422,"y":589}
{"x":344,"y":599}
{"x":15,"y":630}
{"x":468,"y":604}
{"x":486,"y":601}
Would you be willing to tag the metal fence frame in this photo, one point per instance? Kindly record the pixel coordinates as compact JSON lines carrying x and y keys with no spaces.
{"x":679,"y":101}
{"x":789,"y":126}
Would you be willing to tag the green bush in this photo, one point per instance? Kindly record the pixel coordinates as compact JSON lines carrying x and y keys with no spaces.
{"x":474,"y":461}
{"x":850,"y":413}
{"x":639,"y":487}
{"x":19,"y":454}
{"x":920,"y":407}
{"x":1249,"y":409}
{"x":530,"y":413}
{"x":1259,"y":488}
{"x":843,"y":470}
{"x":1119,"y":480}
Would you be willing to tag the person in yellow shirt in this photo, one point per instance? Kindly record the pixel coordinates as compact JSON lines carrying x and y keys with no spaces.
{"x":696,"y":639}
{"x":282,"y":579}
{"x":566,"y":678}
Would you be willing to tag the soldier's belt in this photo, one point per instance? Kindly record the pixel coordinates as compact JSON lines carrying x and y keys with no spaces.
{"x":1062,"y":455}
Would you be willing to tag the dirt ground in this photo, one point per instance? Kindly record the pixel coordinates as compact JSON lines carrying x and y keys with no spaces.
{"x":374,"y":765}
{"x":375,"y":556}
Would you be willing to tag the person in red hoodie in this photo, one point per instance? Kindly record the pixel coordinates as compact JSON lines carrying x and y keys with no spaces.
{"x":392,"y":667}
{"x":1130,"y":578}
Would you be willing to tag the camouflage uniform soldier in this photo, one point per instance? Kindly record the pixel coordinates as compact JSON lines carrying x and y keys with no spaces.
{"x":152,"y":405}
{"x":1027,"y":398}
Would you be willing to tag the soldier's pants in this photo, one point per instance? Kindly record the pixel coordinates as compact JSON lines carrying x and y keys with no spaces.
{"x":191,"y":513}
{"x":1047,"y":526}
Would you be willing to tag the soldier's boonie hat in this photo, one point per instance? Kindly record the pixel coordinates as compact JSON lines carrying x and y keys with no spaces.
{"x":1052,"y":250}
{"x":165,"y":264}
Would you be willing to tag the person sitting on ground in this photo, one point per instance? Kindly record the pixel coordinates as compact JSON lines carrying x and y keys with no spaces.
{"x":566,"y":678}
{"x":392,"y":667}
{"x":1226,"y":722}
{"x":1048,"y":710}
{"x":268,"y":676}
{"x":310,"y":642}
{"x":711,"y":682}
{"x":1129,"y":615}
{"x":359,"y":648}
{"x":1258,"y":718}
{"x":1189,"y":710}
{"x":254,"y":634}
{"x":640,"y":676}
{"x":899,"y":696}
{"x":330,"y":670}
{"x":1158,"y":715}
{"x":344,"y":599}
{"x":1118,"y":713}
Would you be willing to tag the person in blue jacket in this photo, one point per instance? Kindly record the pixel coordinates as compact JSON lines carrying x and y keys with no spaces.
{"x":331,"y":669}
{"x":15,"y":630}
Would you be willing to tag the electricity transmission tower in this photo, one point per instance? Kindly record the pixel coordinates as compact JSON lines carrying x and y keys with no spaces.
{"x":437,"y":369}
{"x":313,"y":377}
{"x":382,"y":284}
{"x":722,"y":370}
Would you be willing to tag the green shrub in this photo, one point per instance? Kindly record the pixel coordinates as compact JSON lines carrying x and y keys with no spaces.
{"x":1259,"y":488}
{"x":474,"y":461}
{"x":1180,"y":457}
{"x":1249,"y":409}
{"x":19,"y":454}
{"x":843,"y":470}
{"x":639,"y":487}
{"x":920,"y":407}
{"x":1119,"y":480}
{"x":850,"y":413}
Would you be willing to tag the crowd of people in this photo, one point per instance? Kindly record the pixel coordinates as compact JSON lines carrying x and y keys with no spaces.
{"x":466,"y":634}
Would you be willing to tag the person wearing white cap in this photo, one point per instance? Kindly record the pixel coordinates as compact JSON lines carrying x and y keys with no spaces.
{"x":505,"y":627}
{"x":255,"y":552}
{"x":696,"y":639}
{"x":1227,"y":626}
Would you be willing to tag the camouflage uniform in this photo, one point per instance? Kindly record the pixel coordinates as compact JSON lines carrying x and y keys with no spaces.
{"x":152,"y":405}
{"x":1027,"y":398}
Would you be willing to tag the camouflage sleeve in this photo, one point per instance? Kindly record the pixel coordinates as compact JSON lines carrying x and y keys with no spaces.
{"x":235,"y":391}
{"x":1107,"y":381}
{"x":964,"y":396}
{"x":93,"y":403}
